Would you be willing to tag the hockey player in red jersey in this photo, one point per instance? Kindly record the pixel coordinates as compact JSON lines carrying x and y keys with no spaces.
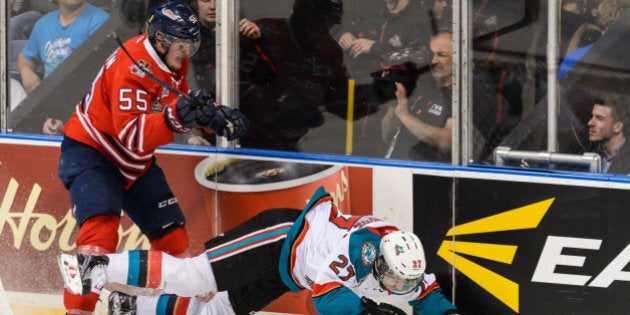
{"x":107,"y":155}
{"x":346,"y":261}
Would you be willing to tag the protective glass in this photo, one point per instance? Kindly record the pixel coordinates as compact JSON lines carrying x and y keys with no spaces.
{"x":391,"y":282}
{"x":173,"y":42}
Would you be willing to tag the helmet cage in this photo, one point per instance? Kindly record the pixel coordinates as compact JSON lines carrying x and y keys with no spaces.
{"x":167,"y":41}
{"x":390,"y":281}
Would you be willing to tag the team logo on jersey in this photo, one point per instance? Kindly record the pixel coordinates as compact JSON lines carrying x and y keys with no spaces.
{"x":368,"y":254}
{"x":157,"y":106}
{"x":137,"y":71}
{"x":502,"y":288}
{"x":436,"y":109}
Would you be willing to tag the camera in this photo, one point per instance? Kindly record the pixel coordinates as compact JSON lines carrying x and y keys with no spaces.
{"x":402,"y":66}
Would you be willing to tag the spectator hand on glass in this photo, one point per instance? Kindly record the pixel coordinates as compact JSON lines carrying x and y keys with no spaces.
{"x":52,"y":126}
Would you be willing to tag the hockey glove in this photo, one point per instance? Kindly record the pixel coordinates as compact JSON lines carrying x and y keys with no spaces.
{"x":229,"y":122}
{"x":373,"y":308}
{"x":197,"y":111}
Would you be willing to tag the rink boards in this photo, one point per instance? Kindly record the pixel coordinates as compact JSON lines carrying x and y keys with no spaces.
{"x":499,"y":242}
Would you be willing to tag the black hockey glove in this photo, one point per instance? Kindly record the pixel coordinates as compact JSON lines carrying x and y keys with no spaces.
{"x":229,"y":122}
{"x":197,"y":111}
{"x":373,"y":308}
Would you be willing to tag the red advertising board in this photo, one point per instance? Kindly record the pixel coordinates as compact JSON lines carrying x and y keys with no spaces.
{"x":36,"y":221}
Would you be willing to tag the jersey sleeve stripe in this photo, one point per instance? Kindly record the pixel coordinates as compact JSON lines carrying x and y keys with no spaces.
{"x":181,"y":305}
{"x":322,"y":289}
{"x":140,"y":140}
{"x":154,"y":269}
{"x":127,"y":133}
{"x":246,"y":242}
{"x":130,"y":169}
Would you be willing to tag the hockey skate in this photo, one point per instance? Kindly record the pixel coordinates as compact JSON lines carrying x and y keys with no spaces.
{"x":82,"y":272}
{"x":121,"y":304}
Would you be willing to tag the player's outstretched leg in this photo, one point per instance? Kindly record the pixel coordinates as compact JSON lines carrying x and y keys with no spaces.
{"x":82,"y":272}
{"x":168,"y":304}
{"x":140,"y":268}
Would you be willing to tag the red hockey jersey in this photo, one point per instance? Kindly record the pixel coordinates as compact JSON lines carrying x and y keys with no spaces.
{"x":121,"y":116}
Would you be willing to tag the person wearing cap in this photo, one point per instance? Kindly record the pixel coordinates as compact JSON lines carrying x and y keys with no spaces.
{"x":346,"y":262}
{"x":135,"y":104}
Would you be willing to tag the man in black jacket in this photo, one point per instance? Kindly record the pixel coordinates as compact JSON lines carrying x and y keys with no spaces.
{"x":606,"y":132}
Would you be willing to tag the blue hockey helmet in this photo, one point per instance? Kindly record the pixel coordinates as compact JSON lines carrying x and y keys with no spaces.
{"x":174,"y":22}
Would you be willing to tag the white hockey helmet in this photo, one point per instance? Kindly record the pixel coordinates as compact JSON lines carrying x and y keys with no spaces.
{"x":401,"y":264}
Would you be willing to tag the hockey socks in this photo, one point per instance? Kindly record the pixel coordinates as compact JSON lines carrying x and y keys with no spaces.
{"x":153,"y":269}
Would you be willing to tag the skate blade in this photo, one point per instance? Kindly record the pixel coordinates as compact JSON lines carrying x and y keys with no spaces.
{"x":69,"y":267}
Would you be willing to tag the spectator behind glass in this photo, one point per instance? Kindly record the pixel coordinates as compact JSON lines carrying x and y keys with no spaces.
{"x":606,"y":132}
{"x":24,"y":14}
{"x":421,"y":129}
{"x":55,"y":36}
{"x":572,"y":16}
{"x":427,"y":121}
{"x":204,"y":61}
{"x":607,"y":12}
{"x":440,"y":14}
{"x":288,"y":74}
{"x":395,"y":25}
{"x":370,"y":36}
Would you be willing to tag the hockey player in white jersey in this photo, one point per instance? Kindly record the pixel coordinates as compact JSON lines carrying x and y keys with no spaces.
{"x":346,"y":261}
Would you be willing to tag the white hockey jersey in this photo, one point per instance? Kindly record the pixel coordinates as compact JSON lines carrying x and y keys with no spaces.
{"x":333,"y":255}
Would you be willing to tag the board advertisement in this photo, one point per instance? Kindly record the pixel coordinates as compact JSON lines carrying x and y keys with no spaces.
{"x":36,"y":220}
{"x":526,"y":248}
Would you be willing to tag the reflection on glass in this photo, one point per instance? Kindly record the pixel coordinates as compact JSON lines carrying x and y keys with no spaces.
{"x":294,"y":79}
{"x":291,"y":74}
{"x":202,"y":72}
{"x":295,"y":70}
{"x":502,"y":34}
{"x":385,"y":42}
{"x":419,"y":124}
{"x":592,"y":76}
